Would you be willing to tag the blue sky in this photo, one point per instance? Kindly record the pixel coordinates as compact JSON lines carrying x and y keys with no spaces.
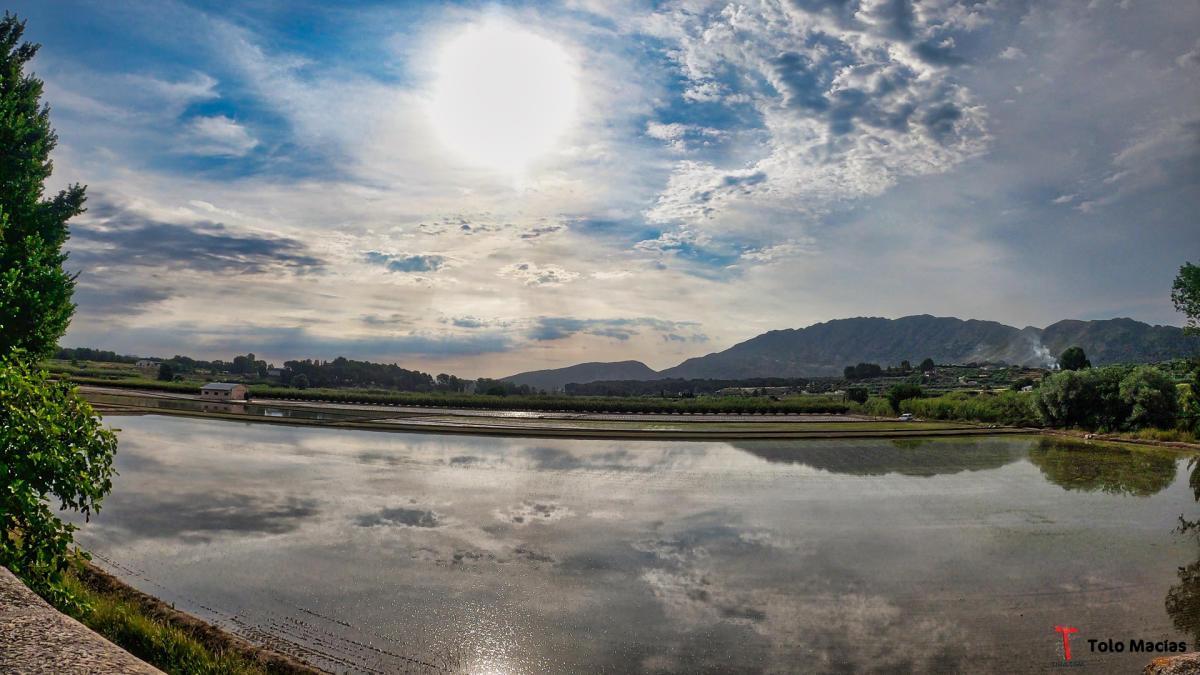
{"x":269,"y":177}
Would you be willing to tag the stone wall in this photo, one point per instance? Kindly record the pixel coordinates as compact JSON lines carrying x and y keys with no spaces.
{"x":36,"y":638}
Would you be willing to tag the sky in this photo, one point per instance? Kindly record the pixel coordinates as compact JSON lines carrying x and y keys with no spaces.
{"x":487,"y":188}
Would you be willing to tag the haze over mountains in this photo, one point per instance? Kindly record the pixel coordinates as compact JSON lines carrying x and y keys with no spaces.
{"x":824,"y":349}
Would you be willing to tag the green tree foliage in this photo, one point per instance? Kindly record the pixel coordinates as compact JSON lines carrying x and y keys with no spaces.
{"x":862,"y":371}
{"x":165,"y":372}
{"x":35,"y":291}
{"x":300,"y":381}
{"x":1112,"y":398}
{"x":52,"y":446}
{"x":1073,"y":358}
{"x":927,"y":365}
{"x":1185,"y":293}
{"x":1151,"y":397}
{"x":52,"y":449}
{"x":343,"y":372}
{"x":902,"y":392}
{"x":1005,"y":407}
{"x":857,"y":394}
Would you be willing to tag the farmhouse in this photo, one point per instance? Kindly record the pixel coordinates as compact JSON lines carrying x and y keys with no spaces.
{"x":224,"y":391}
{"x":147,"y":363}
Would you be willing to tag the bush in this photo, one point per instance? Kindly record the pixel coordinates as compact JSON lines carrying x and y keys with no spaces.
{"x":857,"y":394}
{"x":52,"y":447}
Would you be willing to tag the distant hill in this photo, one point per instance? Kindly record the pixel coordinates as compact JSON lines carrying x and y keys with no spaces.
{"x":555,"y":378}
{"x":824,"y":349}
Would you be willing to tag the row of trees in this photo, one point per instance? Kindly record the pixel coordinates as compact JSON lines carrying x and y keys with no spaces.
{"x":676,"y":387}
{"x":863,"y":371}
{"x":343,"y":372}
{"x":1112,"y":398}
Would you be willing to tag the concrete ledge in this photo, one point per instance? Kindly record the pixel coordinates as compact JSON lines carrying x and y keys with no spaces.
{"x":36,"y":638}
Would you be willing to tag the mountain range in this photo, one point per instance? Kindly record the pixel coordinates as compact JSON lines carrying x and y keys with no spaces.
{"x":824,"y":349}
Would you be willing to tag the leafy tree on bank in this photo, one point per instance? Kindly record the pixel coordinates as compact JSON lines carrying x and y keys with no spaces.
{"x":53,"y":448}
{"x":1073,"y":358}
{"x":35,"y":290}
{"x":898,"y":393}
{"x":1112,"y":398}
{"x":1185,"y":293}
{"x":1151,"y":397}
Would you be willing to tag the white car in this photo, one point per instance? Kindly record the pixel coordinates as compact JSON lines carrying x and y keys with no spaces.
{"x":906,"y":417}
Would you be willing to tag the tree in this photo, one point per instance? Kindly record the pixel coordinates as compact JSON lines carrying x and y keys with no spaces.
{"x":165,"y":372}
{"x":52,"y":445}
{"x":52,"y":448}
{"x":1152,"y":398}
{"x":857,"y":394}
{"x":905,"y":366}
{"x":1074,"y":359}
{"x":300,"y":381}
{"x":35,"y":290}
{"x":1185,"y":293}
{"x":927,"y":365}
{"x":1060,"y":399}
{"x":898,"y":393}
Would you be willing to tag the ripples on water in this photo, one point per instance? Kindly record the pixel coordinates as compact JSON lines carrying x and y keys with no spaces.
{"x":384,"y":552}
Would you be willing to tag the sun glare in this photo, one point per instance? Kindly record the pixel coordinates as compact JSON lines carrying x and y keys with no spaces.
{"x":503,"y":96}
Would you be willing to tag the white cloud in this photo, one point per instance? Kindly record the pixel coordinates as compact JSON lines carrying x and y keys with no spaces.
{"x":847,"y":106}
{"x":532,"y":274}
{"x":218,"y":136}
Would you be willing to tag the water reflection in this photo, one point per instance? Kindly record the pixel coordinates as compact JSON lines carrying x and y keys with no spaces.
{"x":1183,"y":599}
{"x":1141,"y":471}
{"x":909,"y":457}
{"x":382,"y":552}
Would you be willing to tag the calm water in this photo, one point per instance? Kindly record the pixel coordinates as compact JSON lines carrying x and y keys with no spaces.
{"x":383,"y":552}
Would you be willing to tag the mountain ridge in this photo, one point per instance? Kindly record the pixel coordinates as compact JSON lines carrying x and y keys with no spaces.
{"x":825,"y":348}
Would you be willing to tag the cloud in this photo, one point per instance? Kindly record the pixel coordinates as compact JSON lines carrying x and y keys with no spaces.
{"x":558,"y":328}
{"x":406,"y":262}
{"x":114,"y":236}
{"x":103,"y":296}
{"x":530,"y":512}
{"x":847,"y":101}
{"x":404,"y":517}
{"x":218,"y":136}
{"x":532,"y":274}
{"x":684,"y":137}
{"x":1191,"y":58}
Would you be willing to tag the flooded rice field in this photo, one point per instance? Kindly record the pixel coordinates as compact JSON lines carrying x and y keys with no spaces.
{"x":384,"y":552}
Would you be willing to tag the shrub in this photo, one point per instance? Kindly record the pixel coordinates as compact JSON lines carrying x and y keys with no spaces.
{"x":52,"y":447}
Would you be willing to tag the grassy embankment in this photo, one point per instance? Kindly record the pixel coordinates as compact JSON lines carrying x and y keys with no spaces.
{"x":157,"y":634}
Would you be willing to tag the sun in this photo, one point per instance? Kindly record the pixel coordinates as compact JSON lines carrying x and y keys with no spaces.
{"x":502,"y":96}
